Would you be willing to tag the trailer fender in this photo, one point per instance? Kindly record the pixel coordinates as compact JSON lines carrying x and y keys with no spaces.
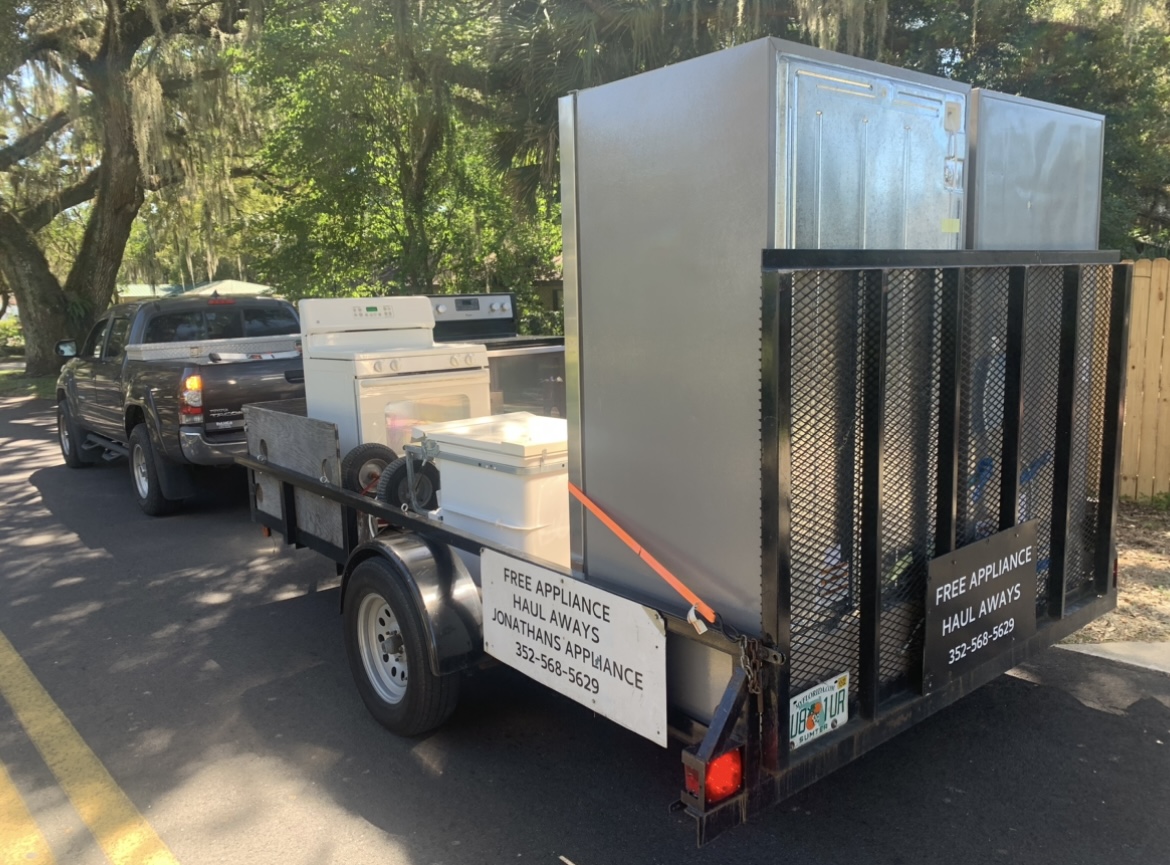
{"x":440,"y":584}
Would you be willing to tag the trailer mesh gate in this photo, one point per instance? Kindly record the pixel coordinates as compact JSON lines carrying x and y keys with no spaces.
{"x":912,"y":404}
{"x":902,"y":383}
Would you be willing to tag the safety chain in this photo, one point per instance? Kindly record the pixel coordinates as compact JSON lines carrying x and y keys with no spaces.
{"x":749,"y":661}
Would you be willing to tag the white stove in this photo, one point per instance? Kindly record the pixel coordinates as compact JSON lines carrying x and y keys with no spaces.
{"x":372,"y":367}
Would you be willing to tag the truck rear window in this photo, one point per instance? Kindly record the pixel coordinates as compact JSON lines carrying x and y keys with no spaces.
{"x":221,"y":323}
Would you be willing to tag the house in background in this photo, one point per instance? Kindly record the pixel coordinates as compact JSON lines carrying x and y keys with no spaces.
{"x":222,"y":287}
{"x":231,"y":288}
{"x":139,"y":290}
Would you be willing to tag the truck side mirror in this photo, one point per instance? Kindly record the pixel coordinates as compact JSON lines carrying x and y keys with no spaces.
{"x":67,"y":348}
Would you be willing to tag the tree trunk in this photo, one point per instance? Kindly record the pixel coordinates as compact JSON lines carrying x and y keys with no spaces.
{"x":94,"y":274}
{"x":49,"y":311}
{"x":44,"y":309}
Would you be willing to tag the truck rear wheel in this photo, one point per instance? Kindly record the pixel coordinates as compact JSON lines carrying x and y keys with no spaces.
{"x":144,"y":475}
{"x":70,"y":436}
{"x":385,"y":643}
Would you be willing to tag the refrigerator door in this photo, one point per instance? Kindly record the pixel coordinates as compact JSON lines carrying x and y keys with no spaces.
{"x":868,"y":160}
{"x":1036,"y":174}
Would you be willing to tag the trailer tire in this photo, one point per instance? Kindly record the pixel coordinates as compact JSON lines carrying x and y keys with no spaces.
{"x":70,"y":437}
{"x":385,"y":642}
{"x":144,"y":479}
{"x":362,"y":466}
{"x":394,"y":490}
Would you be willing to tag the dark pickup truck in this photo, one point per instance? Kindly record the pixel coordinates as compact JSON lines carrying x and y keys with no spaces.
{"x":163,"y":383}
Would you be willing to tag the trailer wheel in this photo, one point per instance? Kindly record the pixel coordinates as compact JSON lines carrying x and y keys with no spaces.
{"x":394,"y":489}
{"x":362,"y":466}
{"x":384,"y":640}
{"x":144,"y":475}
{"x":70,"y":437}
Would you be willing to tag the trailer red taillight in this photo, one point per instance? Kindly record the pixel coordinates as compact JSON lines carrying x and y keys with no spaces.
{"x":724,"y":776}
{"x":191,"y":400}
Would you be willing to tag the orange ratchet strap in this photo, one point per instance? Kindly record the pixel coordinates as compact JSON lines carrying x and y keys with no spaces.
{"x":675,"y":583}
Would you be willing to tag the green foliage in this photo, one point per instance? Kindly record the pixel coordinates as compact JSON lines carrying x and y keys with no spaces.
{"x":1160,"y":502}
{"x":411,"y":145}
{"x":389,"y":182}
{"x":1109,"y":58}
{"x":11,"y":337}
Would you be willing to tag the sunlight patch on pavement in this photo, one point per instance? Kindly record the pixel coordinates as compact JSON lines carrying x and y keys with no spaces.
{"x":74,"y":613}
{"x":121,"y":831}
{"x":20,"y":839}
{"x":67,"y":581}
{"x":40,"y":539}
{"x":430,"y":757}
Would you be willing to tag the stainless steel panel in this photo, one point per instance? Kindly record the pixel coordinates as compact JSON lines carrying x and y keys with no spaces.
{"x":674,"y":205}
{"x":1036,"y":174}
{"x":871,"y":160}
{"x":696,"y":677}
{"x":571,"y":280}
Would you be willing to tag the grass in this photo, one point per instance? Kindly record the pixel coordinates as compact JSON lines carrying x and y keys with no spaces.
{"x":13,"y":382}
{"x":1160,"y":502}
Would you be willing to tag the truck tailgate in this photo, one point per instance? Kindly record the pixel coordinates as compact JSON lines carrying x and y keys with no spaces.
{"x":227,"y":387}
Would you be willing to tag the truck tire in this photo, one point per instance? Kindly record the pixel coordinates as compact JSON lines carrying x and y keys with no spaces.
{"x":362,"y":466}
{"x":385,"y":643}
{"x":70,"y":437}
{"x":394,"y":490}
{"x":144,"y":475}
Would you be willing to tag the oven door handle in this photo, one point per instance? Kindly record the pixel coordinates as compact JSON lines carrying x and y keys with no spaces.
{"x":453,"y":378}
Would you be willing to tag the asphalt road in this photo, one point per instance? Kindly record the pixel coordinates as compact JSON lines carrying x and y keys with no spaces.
{"x":203,"y":665}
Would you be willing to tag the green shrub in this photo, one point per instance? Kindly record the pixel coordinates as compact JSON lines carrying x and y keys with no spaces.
{"x":11,"y":337}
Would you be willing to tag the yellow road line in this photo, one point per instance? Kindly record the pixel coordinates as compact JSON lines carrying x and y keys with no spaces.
{"x":21,"y":842}
{"x":122,"y":833}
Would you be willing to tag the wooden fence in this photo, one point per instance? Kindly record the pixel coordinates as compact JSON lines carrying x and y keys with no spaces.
{"x":1145,"y":447}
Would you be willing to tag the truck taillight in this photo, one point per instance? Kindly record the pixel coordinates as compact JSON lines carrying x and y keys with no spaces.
{"x":724,"y":777}
{"x":191,"y":400}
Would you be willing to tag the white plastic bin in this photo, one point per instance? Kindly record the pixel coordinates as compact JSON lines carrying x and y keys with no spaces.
{"x":505,"y":478}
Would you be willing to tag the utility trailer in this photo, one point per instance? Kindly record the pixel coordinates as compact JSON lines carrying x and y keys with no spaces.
{"x":814,"y":494}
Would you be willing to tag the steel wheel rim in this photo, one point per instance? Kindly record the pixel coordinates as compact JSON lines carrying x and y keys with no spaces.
{"x":424,"y":490}
{"x":370,"y":472}
{"x":138,"y":467}
{"x":63,"y":433}
{"x":386,"y":670}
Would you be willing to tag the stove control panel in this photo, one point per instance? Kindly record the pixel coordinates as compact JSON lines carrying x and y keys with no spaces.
{"x":323,"y":315}
{"x":465,"y":307}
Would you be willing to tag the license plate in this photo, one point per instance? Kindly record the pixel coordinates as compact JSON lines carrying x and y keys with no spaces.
{"x":819,"y":710}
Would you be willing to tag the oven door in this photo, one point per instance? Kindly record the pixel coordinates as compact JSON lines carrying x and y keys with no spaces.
{"x":391,"y":405}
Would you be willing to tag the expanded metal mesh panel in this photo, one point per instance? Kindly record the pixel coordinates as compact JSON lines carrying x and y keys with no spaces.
{"x":981,"y":393}
{"x":910,"y":427}
{"x":1038,"y":431}
{"x":827,"y":327}
{"x":1088,"y":424}
{"x":879,"y":345}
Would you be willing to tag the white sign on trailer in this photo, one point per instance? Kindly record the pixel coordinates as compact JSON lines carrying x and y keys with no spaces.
{"x":600,"y":650}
